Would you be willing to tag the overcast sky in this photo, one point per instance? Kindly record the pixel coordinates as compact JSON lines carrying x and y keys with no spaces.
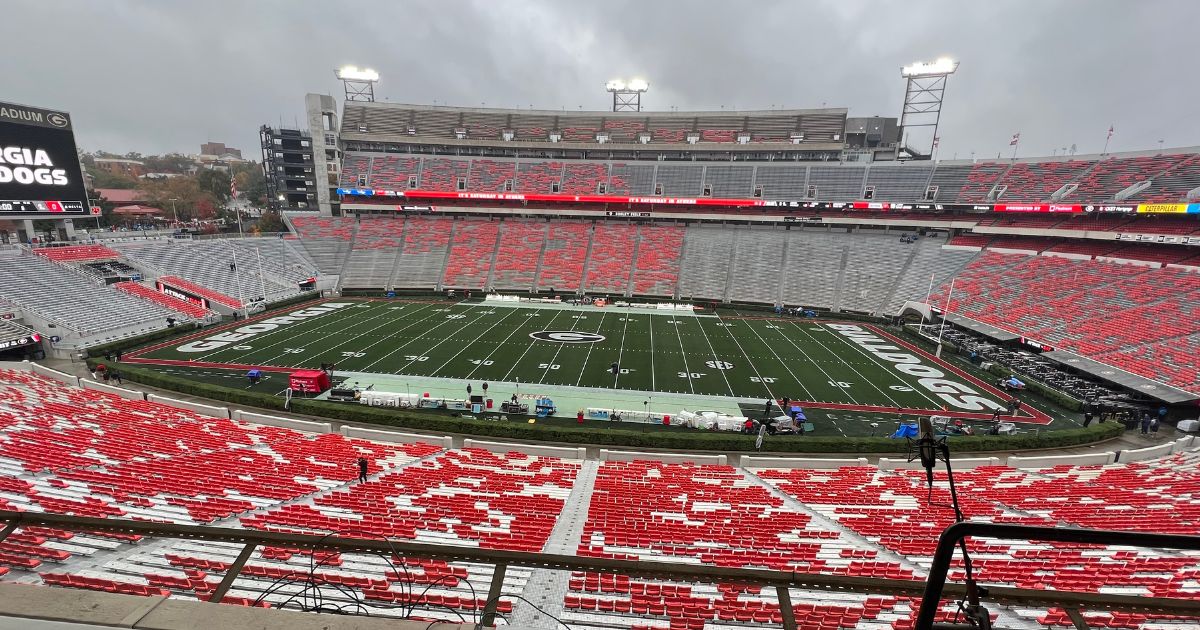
{"x":157,"y":76}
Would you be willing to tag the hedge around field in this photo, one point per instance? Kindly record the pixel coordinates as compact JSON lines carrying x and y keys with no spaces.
{"x":518,"y":428}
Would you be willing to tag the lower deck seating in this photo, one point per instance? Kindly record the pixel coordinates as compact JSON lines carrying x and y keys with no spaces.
{"x":69,"y":450}
{"x":471,"y":253}
{"x":183,"y":307}
{"x":517,"y":254}
{"x":1100,"y":309}
{"x":611,"y":262}
{"x":563,"y":260}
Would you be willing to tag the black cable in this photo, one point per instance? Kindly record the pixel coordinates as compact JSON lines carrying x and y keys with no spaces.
{"x":479,"y":626}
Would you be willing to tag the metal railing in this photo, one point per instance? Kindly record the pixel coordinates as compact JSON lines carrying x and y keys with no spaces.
{"x":1070,"y":601}
{"x":781,"y":581}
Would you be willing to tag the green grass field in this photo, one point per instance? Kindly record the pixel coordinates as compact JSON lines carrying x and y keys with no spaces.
{"x":752,"y":358}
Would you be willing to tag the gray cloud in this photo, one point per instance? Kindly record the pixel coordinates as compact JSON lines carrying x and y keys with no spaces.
{"x":155,"y":76}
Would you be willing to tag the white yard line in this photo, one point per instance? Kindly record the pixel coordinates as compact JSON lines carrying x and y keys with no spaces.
{"x":578,"y":316}
{"x":402,"y":346}
{"x":465,"y":346}
{"x":749,"y":361}
{"x":621,"y":353}
{"x":653,"y":384}
{"x":530,"y":346}
{"x":716,"y":359}
{"x":782,"y":362}
{"x":818,"y":366}
{"x":516,"y":330}
{"x":425,"y":353}
{"x":682,"y":351}
{"x":390,"y":322}
{"x":588,"y":357}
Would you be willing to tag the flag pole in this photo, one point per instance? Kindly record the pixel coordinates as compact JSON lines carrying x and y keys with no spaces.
{"x":1106,"y":140}
{"x":945,"y":313}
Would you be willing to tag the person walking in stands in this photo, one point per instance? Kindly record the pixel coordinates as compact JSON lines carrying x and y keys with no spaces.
{"x":362,"y":469}
{"x":1145,"y":423}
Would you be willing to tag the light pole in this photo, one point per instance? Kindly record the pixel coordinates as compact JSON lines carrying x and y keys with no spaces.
{"x":627,"y":96}
{"x":175,"y":212}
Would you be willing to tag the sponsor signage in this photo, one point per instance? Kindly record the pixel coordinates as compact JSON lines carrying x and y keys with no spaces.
{"x":182,"y":295}
{"x":871,"y":206}
{"x":20,"y":341}
{"x":39,"y":165}
{"x":1037,"y":207}
{"x":1110,"y":208}
{"x":1168,"y":208}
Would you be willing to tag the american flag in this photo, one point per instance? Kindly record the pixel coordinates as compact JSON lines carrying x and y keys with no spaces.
{"x":936,"y":140}
{"x":232,"y":188}
{"x":1110,"y":132}
{"x":1015,"y":139}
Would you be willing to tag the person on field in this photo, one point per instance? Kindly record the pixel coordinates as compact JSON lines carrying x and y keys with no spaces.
{"x":579,"y":416}
{"x":362,"y":469}
{"x":767,"y":408}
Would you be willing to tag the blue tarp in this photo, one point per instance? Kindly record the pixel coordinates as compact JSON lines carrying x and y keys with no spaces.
{"x":1013,"y":382}
{"x":905,"y":431}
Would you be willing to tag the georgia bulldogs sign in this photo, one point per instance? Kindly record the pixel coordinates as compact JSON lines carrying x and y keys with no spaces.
{"x":39,"y":166}
{"x":567,"y":336}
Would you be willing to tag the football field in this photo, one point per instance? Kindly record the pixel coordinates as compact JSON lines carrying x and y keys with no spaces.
{"x":828,"y":364}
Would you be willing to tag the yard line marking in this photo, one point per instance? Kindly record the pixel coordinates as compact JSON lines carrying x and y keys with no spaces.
{"x":406,"y":344}
{"x":392,"y":335}
{"x":341,"y":344}
{"x":653,"y":386}
{"x":818,"y":366}
{"x":849,"y":365}
{"x":919,"y":390}
{"x":500,"y":345}
{"x":686,"y":369}
{"x":530,"y":346}
{"x":749,"y":360}
{"x":784,"y":363}
{"x":717,"y":359}
{"x":311,"y":333}
{"x":428,"y":350}
{"x":560,"y":347}
{"x":588,"y":357}
{"x":621,"y":353}
{"x":464,"y":348}
{"x":325,"y":323}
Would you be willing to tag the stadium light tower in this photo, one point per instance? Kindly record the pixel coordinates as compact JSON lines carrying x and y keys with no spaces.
{"x":359,"y":83}
{"x":923,"y":103}
{"x":627,"y":96}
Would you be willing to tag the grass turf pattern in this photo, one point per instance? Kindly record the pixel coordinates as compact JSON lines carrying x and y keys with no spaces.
{"x":744,"y":357}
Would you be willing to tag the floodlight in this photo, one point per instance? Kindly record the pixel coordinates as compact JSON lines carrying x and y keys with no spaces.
{"x":638,"y":85}
{"x":943,"y":65}
{"x":352,"y":73}
{"x":616,"y":85}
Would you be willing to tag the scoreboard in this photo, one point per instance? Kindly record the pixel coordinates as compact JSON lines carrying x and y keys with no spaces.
{"x":40,"y":176}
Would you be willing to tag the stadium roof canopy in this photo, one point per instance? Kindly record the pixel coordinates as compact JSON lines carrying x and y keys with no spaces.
{"x":1151,"y":388}
{"x":986,"y":330}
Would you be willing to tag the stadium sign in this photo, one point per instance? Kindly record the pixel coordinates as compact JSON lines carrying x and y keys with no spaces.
{"x":242,"y":333}
{"x":567,"y":336}
{"x":953,"y":393}
{"x":39,"y":165}
{"x":20,"y":341}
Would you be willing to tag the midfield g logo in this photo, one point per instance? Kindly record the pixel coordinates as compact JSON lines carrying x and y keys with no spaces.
{"x":567,"y":336}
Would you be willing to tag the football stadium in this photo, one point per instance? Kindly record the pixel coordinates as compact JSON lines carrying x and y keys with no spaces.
{"x":606,"y":369}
